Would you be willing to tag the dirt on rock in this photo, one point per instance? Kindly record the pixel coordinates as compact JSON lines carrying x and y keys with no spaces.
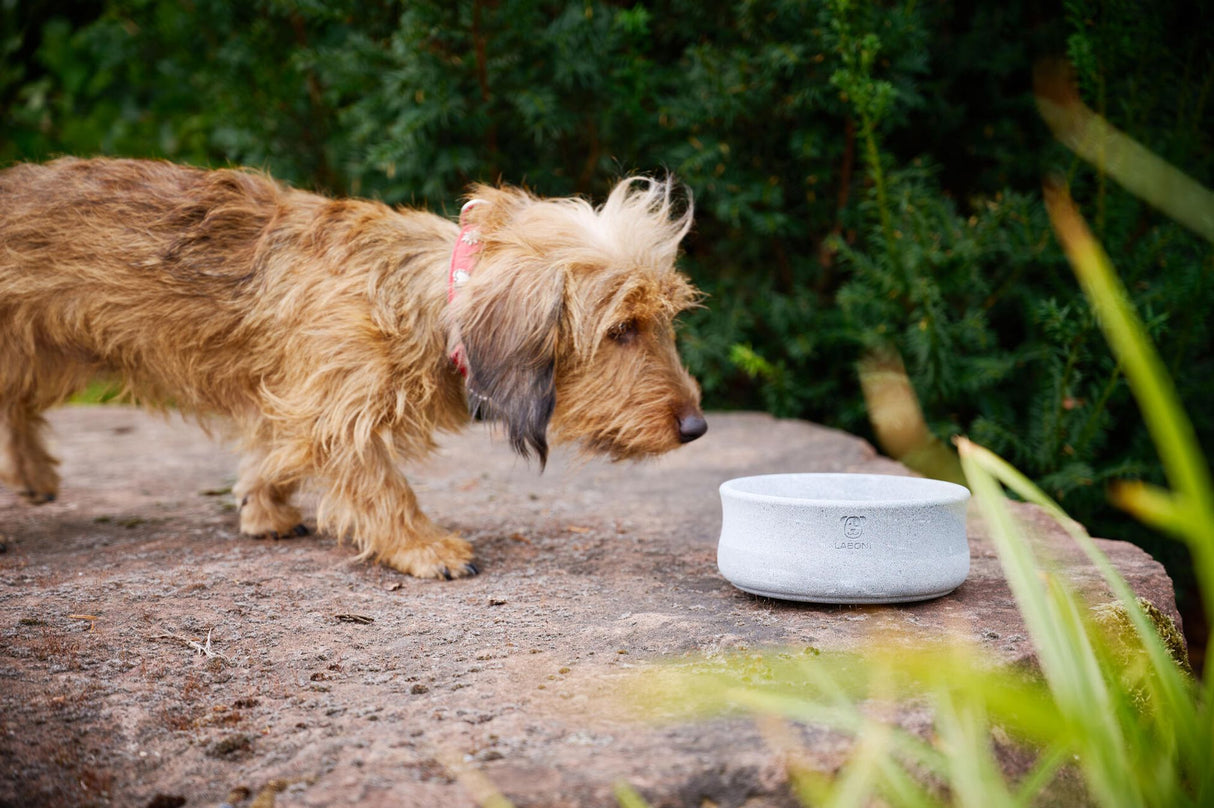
{"x":150,"y":656}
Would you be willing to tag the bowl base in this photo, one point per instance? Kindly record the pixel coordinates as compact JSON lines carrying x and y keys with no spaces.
{"x":847,"y":600}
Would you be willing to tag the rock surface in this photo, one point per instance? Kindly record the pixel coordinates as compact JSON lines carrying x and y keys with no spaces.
{"x":333,"y":682}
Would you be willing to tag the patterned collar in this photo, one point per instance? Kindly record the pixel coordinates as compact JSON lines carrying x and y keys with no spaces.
{"x":463,"y":260}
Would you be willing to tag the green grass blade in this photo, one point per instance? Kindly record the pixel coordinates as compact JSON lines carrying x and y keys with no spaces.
{"x":1049,"y":764}
{"x":973,"y":773}
{"x":1135,"y":167}
{"x":1174,"y":689}
{"x":1153,"y":506}
{"x":1064,"y":649}
{"x":1170,"y":428}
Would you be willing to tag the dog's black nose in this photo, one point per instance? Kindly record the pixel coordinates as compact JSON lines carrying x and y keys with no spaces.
{"x":691,"y":426}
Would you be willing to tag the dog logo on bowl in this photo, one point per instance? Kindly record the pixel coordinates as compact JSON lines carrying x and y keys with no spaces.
{"x":853,"y":526}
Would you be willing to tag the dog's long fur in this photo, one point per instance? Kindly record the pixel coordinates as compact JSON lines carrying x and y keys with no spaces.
{"x":319,"y":331}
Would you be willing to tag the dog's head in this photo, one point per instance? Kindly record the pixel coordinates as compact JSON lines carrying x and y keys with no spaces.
{"x":567,"y":320}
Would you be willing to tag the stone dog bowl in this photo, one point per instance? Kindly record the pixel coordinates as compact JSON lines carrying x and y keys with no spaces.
{"x":843,"y":538}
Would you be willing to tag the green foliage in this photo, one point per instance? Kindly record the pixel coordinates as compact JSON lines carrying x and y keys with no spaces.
{"x":864,"y":173}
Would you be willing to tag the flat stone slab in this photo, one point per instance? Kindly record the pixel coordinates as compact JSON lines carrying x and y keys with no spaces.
{"x":334,"y":682}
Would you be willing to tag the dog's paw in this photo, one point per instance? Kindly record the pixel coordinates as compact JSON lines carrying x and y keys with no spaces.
{"x":444,"y":558}
{"x":261,"y":519}
{"x":37,"y":497}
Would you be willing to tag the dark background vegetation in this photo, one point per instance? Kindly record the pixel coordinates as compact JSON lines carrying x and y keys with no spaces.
{"x":865,"y":174}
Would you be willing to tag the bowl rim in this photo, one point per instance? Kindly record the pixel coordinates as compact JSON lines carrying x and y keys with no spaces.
{"x":939,"y":492}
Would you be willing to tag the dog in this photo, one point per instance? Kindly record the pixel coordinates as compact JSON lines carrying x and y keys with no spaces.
{"x":332,"y":339}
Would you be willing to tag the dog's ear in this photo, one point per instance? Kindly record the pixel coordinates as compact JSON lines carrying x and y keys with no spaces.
{"x":509,"y":323}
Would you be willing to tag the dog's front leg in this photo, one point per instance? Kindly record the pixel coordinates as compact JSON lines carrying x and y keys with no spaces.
{"x":371,"y":502}
{"x":263,"y":494}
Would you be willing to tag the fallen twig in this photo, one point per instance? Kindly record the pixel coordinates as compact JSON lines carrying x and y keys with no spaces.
{"x":202,"y":648}
{"x":92,"y":618}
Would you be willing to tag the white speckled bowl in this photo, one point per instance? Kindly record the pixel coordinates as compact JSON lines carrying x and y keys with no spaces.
{"x":843,"y":538}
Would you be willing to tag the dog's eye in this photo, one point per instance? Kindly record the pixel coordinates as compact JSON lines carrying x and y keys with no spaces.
{"x":623,"y":333}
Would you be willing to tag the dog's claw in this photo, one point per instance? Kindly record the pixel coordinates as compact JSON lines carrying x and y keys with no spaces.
{"x":298,"y":530}
{"x":468,"y":569}
{"x":37,"y":497}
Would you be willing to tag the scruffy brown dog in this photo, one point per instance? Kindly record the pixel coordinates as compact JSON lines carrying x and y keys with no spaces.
{"x":334,"y":338}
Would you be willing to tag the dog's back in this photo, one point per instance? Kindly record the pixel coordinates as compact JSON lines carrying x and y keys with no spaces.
{"x":96,"y":251}
{"x":74,"y":224}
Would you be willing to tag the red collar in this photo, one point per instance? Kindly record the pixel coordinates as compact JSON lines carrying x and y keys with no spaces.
{"x":463,"y":260}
